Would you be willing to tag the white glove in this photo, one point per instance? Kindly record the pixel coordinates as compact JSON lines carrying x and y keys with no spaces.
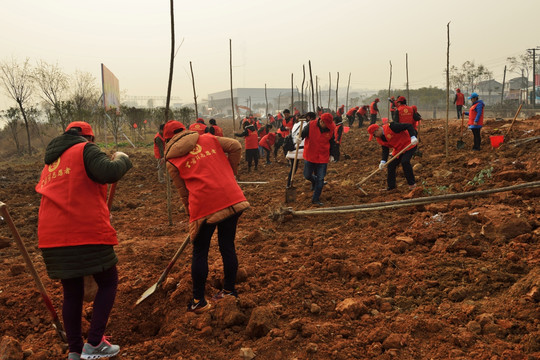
{"x":414,"y":140}
{"x":298,"y":140}
{"x":118,"y":154}
{"x":381,"y":164}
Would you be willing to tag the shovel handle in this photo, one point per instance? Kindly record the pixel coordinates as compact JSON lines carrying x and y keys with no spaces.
{"x":461,"y":128}
{"x":385,"y":165}
{"x":172,"y":262}
{"x":296,"y":153}
{"x":30,"y":265}
{"x":112,"y":190}
{"x":513,"y":121}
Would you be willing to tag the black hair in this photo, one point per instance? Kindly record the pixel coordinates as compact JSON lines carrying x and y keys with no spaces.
{"x":311,"y":115}
{"x":286,"y":111}
{"x":212,"y":121}
{"x":161,"y":127}
{"x":210,"y":129}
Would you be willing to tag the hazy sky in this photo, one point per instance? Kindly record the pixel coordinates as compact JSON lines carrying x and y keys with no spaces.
{"x":271,"y":40}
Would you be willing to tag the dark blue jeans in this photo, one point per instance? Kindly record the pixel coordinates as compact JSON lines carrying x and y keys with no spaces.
{"x":315,"y":173}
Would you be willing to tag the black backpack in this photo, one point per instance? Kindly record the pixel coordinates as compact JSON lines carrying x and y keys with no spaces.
{"x":288,"y":143}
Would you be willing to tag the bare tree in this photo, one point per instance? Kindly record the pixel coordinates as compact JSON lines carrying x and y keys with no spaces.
{"x":17,"y":81}
{"x":521,"y":65}
{"x":468,"y":76}
{"x":53,"y":83}
{"x":13,"y":117}
{"x":84,"y":95}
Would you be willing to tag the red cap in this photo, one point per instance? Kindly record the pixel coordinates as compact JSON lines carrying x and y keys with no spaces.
{"x":371,"y":130}
{"x":458,"y":90}
{"x":327,"y":119}
{"x":86,"y":129}
{"x":377,"y":100}
{"x":170,"y":127}
{"x":401,"y":99}
{"x":200,"y":120}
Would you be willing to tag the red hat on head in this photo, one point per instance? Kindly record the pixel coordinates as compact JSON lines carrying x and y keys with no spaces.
{"x":200,"y":120}
{"x":458,"y":90}
{"x":377,"y":100}
{"x":371,"y":130}
{"x":401,"y":99}
{"x":327,"y":119}
{"x":86,"y":129}
{"x":170,"y":128}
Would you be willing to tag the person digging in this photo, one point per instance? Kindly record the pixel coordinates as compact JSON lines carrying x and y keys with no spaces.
{"x":398,"y":137}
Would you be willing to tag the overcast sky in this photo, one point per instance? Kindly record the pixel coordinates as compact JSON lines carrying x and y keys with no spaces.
{"x":270,"y":40}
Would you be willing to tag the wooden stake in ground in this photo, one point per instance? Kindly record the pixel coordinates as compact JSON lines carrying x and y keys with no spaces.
{"x":266,"y":99}
{"x":312,"y":91}
{"x":194,"y":92}
{"x":347,"y":97}
{"x":337,"y":86}
{"x":292,"y":93}
{"x":232,"y":96}
{"x":447,"y":87}
{"x":504,"y":80}
{"x":167,"y":104}
{"x":317,"y":92}
{"x":389,"y":87}
{"x":329,"y":88}
{"x":303,"y":81}
{"x":407,"y":71}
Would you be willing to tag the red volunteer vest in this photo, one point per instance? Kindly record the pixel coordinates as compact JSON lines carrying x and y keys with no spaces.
{"x":406,"y":114}
{"x":317,"y":144}
{"x":460,"y":98}
{"x":341,"y":110}
{"x":252,"y":140}
{"x":362,"y":111}
{"x":73,"y":208}
{"x":217,"y":130}
{"x":198,"y":127}
{"x":372,"y":108}
{"x":352,"y":111}
{"x":288,"y":126}
{"x":396,"y":141}
{"x":208,"y":177}
{"x":268,"y":141}
{"x":472,"y":115}
{"x":156,"y":149}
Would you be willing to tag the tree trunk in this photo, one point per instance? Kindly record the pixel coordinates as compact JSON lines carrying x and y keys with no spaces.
{"x":27,"y":125}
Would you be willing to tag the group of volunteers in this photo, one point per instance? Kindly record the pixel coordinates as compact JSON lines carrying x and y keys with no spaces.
{"x":74,"y":228}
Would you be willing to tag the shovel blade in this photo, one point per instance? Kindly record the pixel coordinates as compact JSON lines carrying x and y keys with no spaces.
{"x":290,"y":194}
{"x":460,"y":144}
{"x":147,"y":293}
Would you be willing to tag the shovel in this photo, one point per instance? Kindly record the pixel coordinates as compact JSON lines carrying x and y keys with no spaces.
{"x":460,"y":144}
{"x":290,"y":191}
{"x":20,"y":244}
{"x":156,"y":286}
{"x":384,"y":166}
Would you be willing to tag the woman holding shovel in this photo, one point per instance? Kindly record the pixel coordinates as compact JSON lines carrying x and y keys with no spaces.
{"x":75,"y":233}
{"x":399,"y":137}
{"x":203,"y":168}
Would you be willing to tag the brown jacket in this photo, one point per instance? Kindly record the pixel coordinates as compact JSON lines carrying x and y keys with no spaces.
{"x":181,"y":144}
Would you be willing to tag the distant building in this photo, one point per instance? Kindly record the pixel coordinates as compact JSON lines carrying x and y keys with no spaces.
{"x":254,"y":99}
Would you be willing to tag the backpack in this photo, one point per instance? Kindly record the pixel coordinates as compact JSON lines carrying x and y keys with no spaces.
{"x":288,"y":143}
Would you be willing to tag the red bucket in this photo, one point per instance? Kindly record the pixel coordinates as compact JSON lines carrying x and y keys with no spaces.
{"x":496,"y":141}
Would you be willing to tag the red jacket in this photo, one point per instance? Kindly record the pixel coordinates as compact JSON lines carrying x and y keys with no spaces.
{"x":208,"y":194}
{"x":73,"y":208}
{"x":268,"y":141}
{"x":157,"y":155}
{"x":396,"y":141}
{"x":217,"y":130}
{"x":317,"y":144}
{"x":341,"y":110}
{"x":352,"y":111}
{"x":288,"y":125}
{"x":406,"y":115}
{"x":362,"y":111}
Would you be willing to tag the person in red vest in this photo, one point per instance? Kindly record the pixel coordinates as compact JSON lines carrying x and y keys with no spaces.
{"x":396,"y":136}
{"x":393,"y":106}
{"x":159,"y":148}
{"x":362,"y":115}
{"x":213,"y":129}
{"x":374,"y":111}
{"x":404,"y":114}
{"x":266,"y":143}
{"x":198,"y":126}
{"x":318,"y":135}
{"x":75,"y":233}
{"x":476,"y":119}
{"x":203,"y":169}
{"x":335,"y":150}
{"x":351,"y":113}
{"x":284,"y":130}
{"x":341,"y":110}
{"x":459,"y":101}
{"x":296,"y":112}
{"x":271,"y":119}
{"x":251,"y":144}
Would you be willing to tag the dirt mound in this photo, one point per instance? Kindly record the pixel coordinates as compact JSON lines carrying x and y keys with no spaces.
{"x":456,"y":279}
